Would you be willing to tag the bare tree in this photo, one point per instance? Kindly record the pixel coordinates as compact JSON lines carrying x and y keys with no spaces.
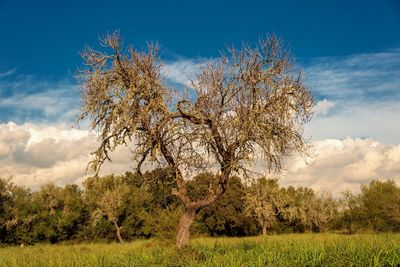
{"x":107,"y":196}
{"x":248,"y":104}
{"x":110,"y":205}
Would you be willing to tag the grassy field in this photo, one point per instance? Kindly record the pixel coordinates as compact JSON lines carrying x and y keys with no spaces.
{"x":277,"y":250}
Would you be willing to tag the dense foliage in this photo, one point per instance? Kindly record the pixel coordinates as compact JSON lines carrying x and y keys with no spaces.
{"x":134,"y":206}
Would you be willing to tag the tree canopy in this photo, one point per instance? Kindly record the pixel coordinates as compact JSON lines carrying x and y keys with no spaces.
{"x":251,"y":103}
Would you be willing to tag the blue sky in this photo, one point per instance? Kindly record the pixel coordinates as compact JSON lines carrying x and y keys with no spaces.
{"x":349,"y":52}
{"x":43,"y":38}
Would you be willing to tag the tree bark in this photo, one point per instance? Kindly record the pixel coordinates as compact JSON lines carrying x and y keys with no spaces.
{"x":264,"y":229}
{"x":118,"y":232}
{"x":187,"y":220}
{"x":192,"y":207}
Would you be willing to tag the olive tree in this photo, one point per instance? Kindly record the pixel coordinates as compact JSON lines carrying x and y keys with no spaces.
{"x":264,"y":201}
{"x":300,"y":206}
{"x":250,"y":104}
{"x":325,"y":209}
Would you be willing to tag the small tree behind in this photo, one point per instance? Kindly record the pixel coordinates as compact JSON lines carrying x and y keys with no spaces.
{"x":107,"y":197}
{"x":324,"y":211}
{"x":110,"y":204}
{"x":264,"y":201}
{"x":250,"y":104}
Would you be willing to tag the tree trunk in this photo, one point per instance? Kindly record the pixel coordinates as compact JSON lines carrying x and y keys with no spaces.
{"x":183,"y":235}
{"x":192,"y":207}
{"x":264,"y":229}
{"x":118,"y":232}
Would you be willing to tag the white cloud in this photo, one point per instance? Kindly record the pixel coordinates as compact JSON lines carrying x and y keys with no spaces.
{"x":394,"y":153}
{"x":377,"y":120}
{"x":322,"y":107}
{"x":365,"y":92}
{"x":50,"y":103}
{"x":60,"y":155}
{"x":25,"y":98}
{"x":38,"y":154}
{"x":355,"y":131}
{"x":362,"y":76}
{"x":184,"y":70}
{"x":344,"y":164}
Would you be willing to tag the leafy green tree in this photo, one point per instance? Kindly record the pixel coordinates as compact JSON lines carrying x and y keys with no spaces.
{"x":299,"y":207}
{"x":373,"y":209}
{"x":74,"y":213}
{"x":161,"y":210}
{"x":22,"y":213}
{"x":324,"y":211}
{"x":137,"y":211}
{"x":51,"y":214}
{"x":376,"y":198}
{"x":160,"y":183}
{"x":226,"y":216}
{"x":49,"y":206}
{"x":393,"y":207}
{"x":114,"y":199}
{"x":5,"y":205}
{"x":349,"y":219}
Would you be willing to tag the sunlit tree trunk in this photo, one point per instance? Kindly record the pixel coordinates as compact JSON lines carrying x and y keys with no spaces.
{"x":185,"y":224}
{"x":264,"y":228}
{"x":192,"y":207}
{"x":118,"y":228}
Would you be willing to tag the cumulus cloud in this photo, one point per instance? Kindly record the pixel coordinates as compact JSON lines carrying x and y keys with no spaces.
{"x":358,"y":97}
{"x":35,"y":155}
{"x":38,"y":154}
{"x":345,"y":164}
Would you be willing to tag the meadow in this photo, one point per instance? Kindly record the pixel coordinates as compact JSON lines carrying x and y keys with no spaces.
{"x":273,"y":250}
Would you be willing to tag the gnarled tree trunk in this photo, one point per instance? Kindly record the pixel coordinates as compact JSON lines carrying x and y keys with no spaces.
{"x":192,"y":207}
{"x":185,"y":224}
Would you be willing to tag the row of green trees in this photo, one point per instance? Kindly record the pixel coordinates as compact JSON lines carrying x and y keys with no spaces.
{"x":135,"y":206}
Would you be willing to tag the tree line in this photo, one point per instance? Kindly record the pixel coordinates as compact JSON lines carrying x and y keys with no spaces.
{"x":131,"y":206}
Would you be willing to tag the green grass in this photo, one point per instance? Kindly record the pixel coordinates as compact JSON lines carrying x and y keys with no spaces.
{"x":278,"y":250}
